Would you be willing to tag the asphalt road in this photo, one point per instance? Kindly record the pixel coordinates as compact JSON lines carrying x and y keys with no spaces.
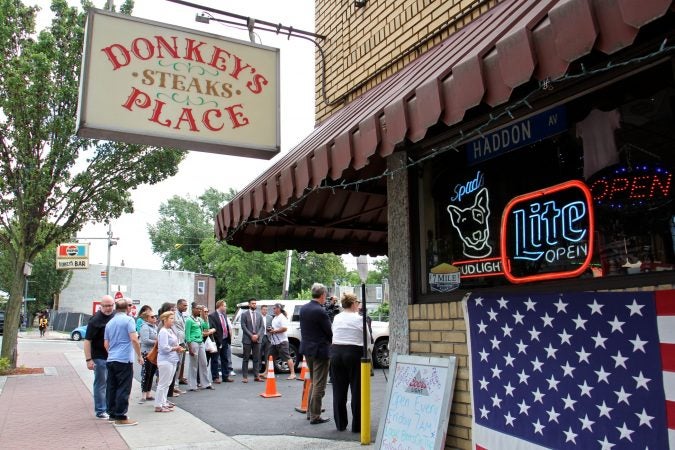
{"x":238,"y":409}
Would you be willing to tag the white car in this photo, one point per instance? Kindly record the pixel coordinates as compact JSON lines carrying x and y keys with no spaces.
{"x":379,"y":348}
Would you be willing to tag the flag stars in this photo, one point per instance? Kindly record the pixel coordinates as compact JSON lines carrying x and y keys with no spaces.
{"x":579,"y":322}
{"x":622,"y":396}
{"x":530,"y":304}
{"x":635,"y":308}
{"x":548,"y":320}
{"x":495,"y":343}
{"x":619,"y":360}
{"x":482,"y":327}
{"x":569,"y":403}
{"x":583,"y":355}
{"x":509,"y":360}
{"x":536,"y":364}
{"x":595,"y":307}
{"x":645,"y":418}
{"x":587,"y":424}
{"x":641,"y":381}
{"x":483,"y":384}
{"x":638,"y":344}
{"x":502,"y":303}
{"x":560,"y":306}
{"x":521,"y":347}
{"x":493,"y":315}
{"x":509,"y":389}
{"x":567,"y":369}
{"x":534,"y":334}
{"x":479,"y":301}
{"x":616,"y":325}
{"x":538,"y":427}
{"x":552,"y":383}
{"x":570,"y":436}
{"x":625,"y":432}
{"x":585,"y":389}
{"x":604,"y":410}
{"x":523,"y":377}
{"x":509,"y":418}
{"x":483,"y":355}
{"x":565,"y":338}
{"x":605,"y":444}
{"x":538,"y":396}
{"x":599,"y":341}
{"x":496,"y":371}
{"x":496,"y":401}
{"x":602,"y":375}
{"x":552,"y":415}
{"x":550,"y":351}
{"x":518,"y":317}
{"x":523,"y":407}
{"x":507,"y":330}
{"x":484,"y":412}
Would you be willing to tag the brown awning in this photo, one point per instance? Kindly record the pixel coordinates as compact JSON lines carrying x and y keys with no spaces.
{"x":511,"y":44}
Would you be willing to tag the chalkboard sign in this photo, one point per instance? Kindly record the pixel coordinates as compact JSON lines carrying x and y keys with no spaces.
{"x":417,"y":403}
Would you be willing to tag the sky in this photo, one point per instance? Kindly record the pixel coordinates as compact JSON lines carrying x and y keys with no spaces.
{"x":200,"y":171}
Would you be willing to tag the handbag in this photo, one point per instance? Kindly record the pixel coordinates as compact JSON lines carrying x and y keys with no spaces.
{"x":210,"y":345}
{"x":152,"y":354}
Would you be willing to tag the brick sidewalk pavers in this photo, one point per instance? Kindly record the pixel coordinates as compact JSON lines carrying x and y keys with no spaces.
{"x":55,"y":412}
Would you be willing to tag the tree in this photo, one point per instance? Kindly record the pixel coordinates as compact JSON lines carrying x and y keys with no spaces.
{"x":51,"y":182}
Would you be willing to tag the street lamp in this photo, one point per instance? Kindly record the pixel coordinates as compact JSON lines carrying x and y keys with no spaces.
{"x":362,"y":269}
{"x":27,"y":271}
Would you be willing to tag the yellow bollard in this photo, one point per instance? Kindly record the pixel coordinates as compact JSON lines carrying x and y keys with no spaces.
{"x":365,"y":401}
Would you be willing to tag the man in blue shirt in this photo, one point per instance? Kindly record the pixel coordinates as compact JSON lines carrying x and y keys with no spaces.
{"x":121,"y":342}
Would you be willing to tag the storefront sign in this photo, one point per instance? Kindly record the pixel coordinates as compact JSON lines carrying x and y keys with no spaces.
{"x":444,"y":278}
{"x":163,"y":85}
{"x":72,"y":256}
{"x":474,"y":268}
{"x":548,"y":233}
{"x":631,"y":188}
{"x":516,"y":135}
{"x":471,"y":223}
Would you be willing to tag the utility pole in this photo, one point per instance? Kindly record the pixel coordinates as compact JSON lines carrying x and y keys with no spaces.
{"x":111,"y":241}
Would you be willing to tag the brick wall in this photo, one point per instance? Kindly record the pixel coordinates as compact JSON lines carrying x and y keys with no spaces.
{"x":439,"y":330}
{"x":362,"y":41}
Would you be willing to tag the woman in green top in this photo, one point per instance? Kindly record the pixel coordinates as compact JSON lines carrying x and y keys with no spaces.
{"x":195,"y":331}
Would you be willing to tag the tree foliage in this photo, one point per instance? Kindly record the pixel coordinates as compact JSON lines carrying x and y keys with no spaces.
{"x":51,"y":182}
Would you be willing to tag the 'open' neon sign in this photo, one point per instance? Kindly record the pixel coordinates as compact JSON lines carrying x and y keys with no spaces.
{"x":548,"y":233}
{"x":639,"y":187}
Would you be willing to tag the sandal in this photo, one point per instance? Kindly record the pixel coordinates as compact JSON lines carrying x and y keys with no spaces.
{"x":170,"y":404}
{"x":149,"y":398}
{"x":292,"y":377}
{"x":163,"y":410}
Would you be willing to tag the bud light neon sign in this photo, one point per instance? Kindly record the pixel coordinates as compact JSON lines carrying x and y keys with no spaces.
{"x":548,"y":233}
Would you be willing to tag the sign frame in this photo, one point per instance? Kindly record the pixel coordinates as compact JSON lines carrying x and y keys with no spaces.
{"x":66,"y":262}
{"x":235,"y":146}
{"x":448,"y":364}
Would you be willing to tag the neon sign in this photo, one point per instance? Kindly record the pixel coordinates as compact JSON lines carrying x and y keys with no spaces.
{"x":474,"y":268}
{"x":622,"y":188}
{"x":548,"y":233}
{"x":471,"y":222}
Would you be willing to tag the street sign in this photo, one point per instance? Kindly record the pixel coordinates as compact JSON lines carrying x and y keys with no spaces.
{"x":29,"y":299}
{"x":72,"y":256}
{"x":136,"y":302}
{"x":133,"y":311}
{"x":118,"y":295}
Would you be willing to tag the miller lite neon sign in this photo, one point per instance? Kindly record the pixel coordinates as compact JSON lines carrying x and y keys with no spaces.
{"x":548,"y":233}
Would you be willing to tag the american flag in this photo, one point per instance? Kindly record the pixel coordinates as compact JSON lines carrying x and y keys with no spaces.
{"x":573,"y":371}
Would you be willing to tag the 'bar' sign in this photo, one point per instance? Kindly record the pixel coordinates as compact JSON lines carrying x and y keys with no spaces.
{"x":517,"y":135}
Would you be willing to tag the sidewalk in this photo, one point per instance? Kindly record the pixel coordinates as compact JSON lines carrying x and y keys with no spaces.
{"x":56,"y":411}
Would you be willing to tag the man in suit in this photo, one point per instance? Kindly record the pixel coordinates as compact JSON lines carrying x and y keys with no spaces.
{"x":223,"y":337}
{"x":253,"y":329}
{"x":316,"y":333}
{"x":265,"y":343}
{"x":179,"y":330}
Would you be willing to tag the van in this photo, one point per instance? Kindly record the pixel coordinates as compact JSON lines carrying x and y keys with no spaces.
{"x":379,"y":348}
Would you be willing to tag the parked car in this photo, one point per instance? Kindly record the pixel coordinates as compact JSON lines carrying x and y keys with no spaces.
{"x":78,"y":333}
{"x":2,"y":322}
{"x":379,"y":348}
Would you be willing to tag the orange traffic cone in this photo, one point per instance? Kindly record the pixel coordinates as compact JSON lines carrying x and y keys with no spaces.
{"x":306,"y":388}
{"x":303,"y":369}
{"x":271,"y":384}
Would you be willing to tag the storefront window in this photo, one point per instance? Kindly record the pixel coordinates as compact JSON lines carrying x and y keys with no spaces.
{"x":617,"y":141}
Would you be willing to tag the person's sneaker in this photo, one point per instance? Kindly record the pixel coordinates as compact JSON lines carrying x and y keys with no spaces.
{"x":125,"y":423}
{"x":141,"y":401}
{"x":102,"y":416}
{"x":233,"y":373}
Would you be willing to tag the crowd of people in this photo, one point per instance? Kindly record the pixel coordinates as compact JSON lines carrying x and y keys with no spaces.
{"x":193,"y":349}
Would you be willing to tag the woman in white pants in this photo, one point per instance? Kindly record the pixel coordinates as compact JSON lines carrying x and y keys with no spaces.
{"x":168,"y":352}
